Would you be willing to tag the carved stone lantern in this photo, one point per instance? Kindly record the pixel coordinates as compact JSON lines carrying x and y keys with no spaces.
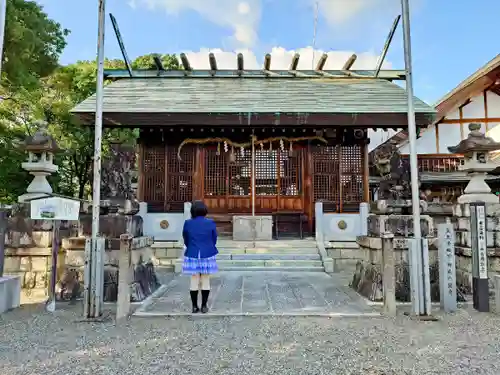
{"x":41,"y":148}
{"x":476,"y":149}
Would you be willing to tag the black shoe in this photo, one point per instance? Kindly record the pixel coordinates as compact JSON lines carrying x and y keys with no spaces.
{"x":194,"y":301}
{"x":204,"y":300}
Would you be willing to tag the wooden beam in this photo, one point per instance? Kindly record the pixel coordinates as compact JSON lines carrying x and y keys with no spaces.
{"x":485,"y":100}
{"x":267,"y":62}
{"x":461,"y":120}
{"x":489,"y":120}
{"x":388,"y":41}
{"x":240,"y":63}
{"x":295,"y":62}
{"x":350,"y":62}
{"x":213,"y":61}
{"x":321,"y":62}
{"x":436,"y":128}
{"x":158,"y":63}
{"x":185,"y":62}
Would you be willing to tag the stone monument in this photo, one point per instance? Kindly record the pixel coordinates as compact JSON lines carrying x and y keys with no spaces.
{"x":41,"y":148}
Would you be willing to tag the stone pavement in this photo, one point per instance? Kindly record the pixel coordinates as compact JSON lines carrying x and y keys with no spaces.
{"x":263,"y":294}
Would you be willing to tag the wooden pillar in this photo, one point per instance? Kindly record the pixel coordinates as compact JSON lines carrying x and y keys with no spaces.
{"x":199,"y":173}
{"x":485,"y":99}
{"x":307,"y":180}
{"x":366,"y":174}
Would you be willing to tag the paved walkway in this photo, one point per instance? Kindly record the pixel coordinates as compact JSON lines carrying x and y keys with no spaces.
{"x":263,"y":294}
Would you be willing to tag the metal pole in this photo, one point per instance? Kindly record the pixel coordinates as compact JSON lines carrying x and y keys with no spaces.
{"x":3,"y":11}
{"x":96,"y":188}
{"x":420,"y":259}
{"x":51,"y":303}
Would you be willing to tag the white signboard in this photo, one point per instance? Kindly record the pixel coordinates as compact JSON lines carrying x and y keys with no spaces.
{"x":481,"y":243}
{"x":55,"y":208}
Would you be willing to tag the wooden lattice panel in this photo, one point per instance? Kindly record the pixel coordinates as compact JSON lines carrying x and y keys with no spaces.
{"x":351,"y":172}
{"x":179,"y":178}
{"x":153,"y":171}
{"x":326,"y":177}
{"x":216,"y":173}
{"x":290,"y":173}
{"x":266,"y":172}
{"x":240,"y":173}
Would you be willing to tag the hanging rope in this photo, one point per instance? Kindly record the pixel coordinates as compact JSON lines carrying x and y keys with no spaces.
{"x":201,"y":141}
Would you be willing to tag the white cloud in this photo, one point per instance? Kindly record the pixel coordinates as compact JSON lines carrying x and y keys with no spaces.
{"x":242,"y":16}
{"x":339,"y":12}
{"x":281,"y":58}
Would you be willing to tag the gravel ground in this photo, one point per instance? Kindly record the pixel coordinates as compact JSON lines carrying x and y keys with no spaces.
{"x":35,"y":342}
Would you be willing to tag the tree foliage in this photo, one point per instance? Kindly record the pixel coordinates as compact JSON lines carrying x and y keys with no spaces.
{"x":35,"y":87}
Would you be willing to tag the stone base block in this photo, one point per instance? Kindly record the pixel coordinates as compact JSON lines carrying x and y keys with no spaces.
{"x":10,"y":293}
{"x":249,"y":228}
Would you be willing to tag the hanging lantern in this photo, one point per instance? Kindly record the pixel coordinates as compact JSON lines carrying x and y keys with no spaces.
{"x":262,"y":146}
{"x":282,"y":145}
{"x":242,"y":152}
{"x":225,"y":147}
{"x":218,"y":149}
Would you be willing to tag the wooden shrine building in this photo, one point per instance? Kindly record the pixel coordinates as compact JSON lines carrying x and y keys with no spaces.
{"x":308,"y":129}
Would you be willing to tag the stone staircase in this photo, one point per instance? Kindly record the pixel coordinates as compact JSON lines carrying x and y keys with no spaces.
{"x":278,"y":255}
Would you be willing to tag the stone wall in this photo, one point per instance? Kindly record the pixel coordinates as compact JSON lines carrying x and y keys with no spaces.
{"x":367,"y":277}
{"x":463,"y":246}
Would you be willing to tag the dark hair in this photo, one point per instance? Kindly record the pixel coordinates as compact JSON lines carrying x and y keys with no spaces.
{"x":198,"y":208}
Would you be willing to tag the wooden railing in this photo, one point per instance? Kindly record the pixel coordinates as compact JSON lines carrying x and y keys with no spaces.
{"x":438,"y":162}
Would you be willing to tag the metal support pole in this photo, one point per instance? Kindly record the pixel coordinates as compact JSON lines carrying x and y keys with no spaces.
{"x":3,"y":231}
{"x":51,"y":302}
{"x":3,"y":12}
{"x":96,"y":187}
{"x":422,"y":256}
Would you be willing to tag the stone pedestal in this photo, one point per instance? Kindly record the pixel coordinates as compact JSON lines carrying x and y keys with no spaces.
{"x":10,"y":293}
{"x":250,"y":228}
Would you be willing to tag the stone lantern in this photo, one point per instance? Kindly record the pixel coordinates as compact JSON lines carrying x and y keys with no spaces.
{"x":41,"y":148}
{"x":476,"y":149}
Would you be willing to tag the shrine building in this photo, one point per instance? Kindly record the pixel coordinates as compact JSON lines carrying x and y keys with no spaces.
{"x":308,"y":130}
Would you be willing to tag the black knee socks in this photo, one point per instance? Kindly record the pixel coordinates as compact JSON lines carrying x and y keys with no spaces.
{"x":204,"y":297}
{"x":194,"y":298}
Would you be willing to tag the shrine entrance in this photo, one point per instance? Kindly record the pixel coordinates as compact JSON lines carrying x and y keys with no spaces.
{"x":279,"y":175}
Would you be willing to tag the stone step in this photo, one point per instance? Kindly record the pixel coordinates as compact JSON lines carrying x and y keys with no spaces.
{"x":271,"y":269}
{"x":268,"y":251}
{"x":269,"y":263}
{"x":276,"y":244}
{"x":271,"y":256}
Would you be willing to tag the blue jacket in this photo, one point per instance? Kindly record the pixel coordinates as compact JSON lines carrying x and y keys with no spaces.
{"x":200,"y":237}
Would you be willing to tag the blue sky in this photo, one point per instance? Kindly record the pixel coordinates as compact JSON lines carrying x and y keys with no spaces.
{"x":450,"y":39}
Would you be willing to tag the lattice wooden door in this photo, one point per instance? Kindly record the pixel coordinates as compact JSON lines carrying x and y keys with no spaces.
{"x":326,"y":177}
{"x":351,"y":177}
{"x":179,"y":184}
{"x":153,"y":171}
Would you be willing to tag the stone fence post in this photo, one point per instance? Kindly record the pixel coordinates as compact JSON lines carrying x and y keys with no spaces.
{"x":388,"y":274}
{"x":125,"y":272}
{"x":318,"y":211}
{"x":3,"y":231}
{"x":496,"y":281}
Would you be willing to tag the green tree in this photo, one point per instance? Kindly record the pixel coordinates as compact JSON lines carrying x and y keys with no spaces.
{"x":68,"y":86}
{"x":33,"y":43}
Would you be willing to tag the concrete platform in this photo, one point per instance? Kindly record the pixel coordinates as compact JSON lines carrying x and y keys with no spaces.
{"x":263,"y":294}
{"x":10,"y":293}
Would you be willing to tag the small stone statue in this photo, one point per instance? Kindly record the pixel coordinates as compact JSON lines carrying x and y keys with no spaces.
{"x":395,"y":173}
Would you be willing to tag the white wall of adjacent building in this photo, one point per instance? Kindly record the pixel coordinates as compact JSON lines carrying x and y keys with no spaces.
{"x":450,"y":134}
